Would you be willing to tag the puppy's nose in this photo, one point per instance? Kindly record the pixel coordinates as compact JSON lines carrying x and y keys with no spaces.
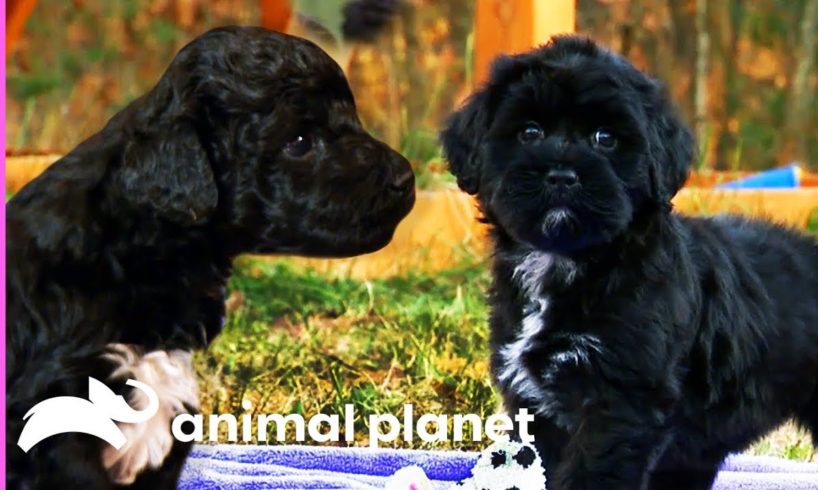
{"x":562,"y":178}
{"x":402,"y":181}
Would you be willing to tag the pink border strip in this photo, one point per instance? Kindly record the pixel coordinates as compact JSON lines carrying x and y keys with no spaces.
{"x":3,"y":261}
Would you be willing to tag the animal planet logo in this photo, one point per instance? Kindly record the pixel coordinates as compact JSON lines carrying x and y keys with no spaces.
{"x":94,"y":416}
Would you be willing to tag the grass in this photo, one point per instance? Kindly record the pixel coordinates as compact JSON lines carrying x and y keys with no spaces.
{"x":788,"y":441}
{"x":296,"y":342}
{"x":300,"y":343}
{"x":812,"y":222}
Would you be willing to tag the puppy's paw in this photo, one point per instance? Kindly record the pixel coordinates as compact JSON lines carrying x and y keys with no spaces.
{"x":146,"y":448}
{"x":171,"y":375}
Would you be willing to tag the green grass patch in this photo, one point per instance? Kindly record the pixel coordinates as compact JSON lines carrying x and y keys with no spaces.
{"x":301,"y":343}
{"x":812,"y":221}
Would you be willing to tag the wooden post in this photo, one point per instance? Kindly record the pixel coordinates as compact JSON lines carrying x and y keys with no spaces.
{"x":17,"y":12}
{"x":512,"y":26}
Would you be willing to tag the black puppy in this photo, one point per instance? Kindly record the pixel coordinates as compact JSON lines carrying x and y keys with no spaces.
{"x":649,"y":344}
{"x":118,"y":255}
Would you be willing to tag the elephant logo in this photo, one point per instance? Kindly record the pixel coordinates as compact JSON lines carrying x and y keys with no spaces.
{"x":95,"y":416}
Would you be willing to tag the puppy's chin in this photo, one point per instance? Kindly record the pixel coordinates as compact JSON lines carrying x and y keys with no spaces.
{"x":364,"y":242}
{"x":558,"y":221}
{"x":369,"y":234}
{"x":563,"y":229}
{"x":557,"y":231}
{"x":347,"y":243}
{"x":329,"y":236}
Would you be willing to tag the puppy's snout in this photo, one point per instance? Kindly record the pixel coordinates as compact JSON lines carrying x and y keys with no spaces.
{"x":402,"y":177}
{"x":403,"y":182}
{"x":562,"y":178}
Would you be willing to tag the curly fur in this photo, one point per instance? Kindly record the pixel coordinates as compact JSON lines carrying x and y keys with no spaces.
{"x":649,"y":344}
{"x":129,"y":238}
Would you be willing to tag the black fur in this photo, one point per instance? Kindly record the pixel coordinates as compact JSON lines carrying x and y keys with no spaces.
{"x":129,"y":238}
{"x":650,"y":344}
{"x":364,"y":20}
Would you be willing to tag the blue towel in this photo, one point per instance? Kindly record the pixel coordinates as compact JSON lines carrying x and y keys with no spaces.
{"x":228,"y":467}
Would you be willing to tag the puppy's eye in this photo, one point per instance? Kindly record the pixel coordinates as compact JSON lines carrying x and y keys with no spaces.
{"x":604,"y":139}
{"x":530,"y":133}
{"x":299,"y":147}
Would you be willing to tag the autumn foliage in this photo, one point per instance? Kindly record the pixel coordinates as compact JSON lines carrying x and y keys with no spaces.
{"x":743,"y":72}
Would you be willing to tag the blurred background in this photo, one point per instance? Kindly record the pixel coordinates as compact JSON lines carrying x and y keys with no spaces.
{"x":743,"y":71}
{"x":408,"y":324}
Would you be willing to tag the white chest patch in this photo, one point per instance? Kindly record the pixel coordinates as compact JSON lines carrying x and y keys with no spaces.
{"x":531,"y":275}
{"x":170,"y":374}
{"x":531,"y":272}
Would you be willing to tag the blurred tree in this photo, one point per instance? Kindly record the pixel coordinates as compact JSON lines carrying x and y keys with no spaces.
{"x":727,"y":22}
{"x":800,"y":109}
{"x":701,"y":78}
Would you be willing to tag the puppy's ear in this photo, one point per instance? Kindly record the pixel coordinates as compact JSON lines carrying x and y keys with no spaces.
{"x":461,"y":141}
{"x":168,"y":171}
{"x":674,"y":149}
{"x":463,"y":135}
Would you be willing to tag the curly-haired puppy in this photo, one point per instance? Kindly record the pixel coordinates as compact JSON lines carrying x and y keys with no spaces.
{"x":649,"y":344}
{"x":118,"y":255}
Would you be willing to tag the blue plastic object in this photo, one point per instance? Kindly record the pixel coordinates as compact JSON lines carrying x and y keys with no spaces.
{"x":777,"y":178}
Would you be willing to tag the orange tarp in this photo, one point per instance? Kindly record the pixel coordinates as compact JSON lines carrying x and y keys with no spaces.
{"x":443,"y":229}
{"x":809,"y":180}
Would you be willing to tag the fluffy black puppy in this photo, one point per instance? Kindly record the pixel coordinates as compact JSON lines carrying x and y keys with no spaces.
{"x":118,"y":255}
{"x":650,"y":345}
